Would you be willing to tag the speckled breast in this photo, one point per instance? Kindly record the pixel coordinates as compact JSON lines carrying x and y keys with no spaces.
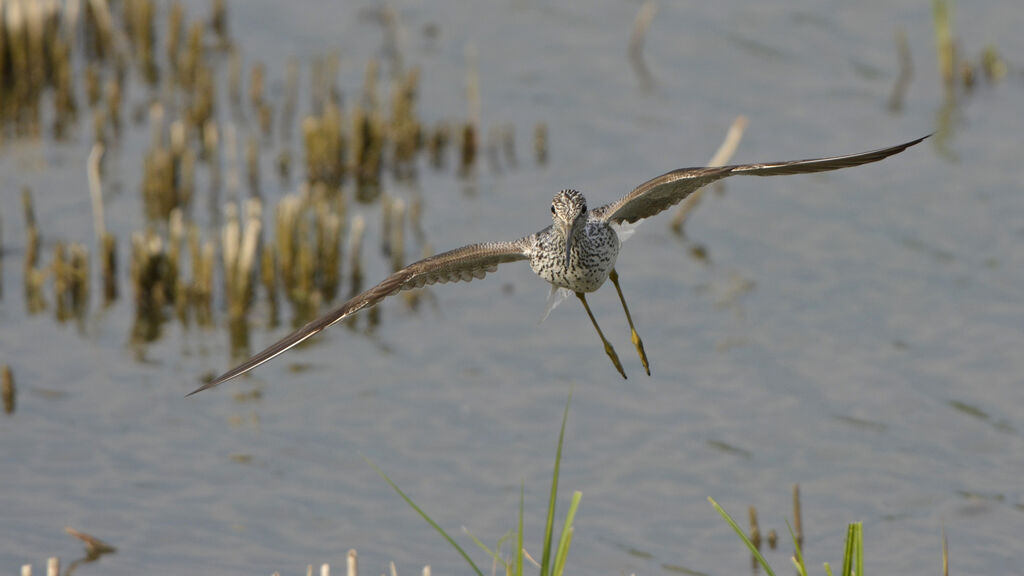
{"x":592,"y":259}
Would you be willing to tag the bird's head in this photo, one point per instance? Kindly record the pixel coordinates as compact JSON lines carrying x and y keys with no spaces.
{"x":569,"y":214}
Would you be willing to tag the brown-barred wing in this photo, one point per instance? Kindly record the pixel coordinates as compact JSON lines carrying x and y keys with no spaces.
{"x":664,"y":191}
{"x":466,"y":263}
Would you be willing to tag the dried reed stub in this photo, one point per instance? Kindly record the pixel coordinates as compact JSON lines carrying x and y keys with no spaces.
{"x":219,"y":22}
{"x":386,"y":221}
{"x":405,"y":131}
{"x":329,"y":211}
{"x":65,"y":106}
{"x":70,"y":270}
{"x":308,"y":228}
{"x":467,"y":148}
{"x":140,"y":20}
{"x":286,"y":217}
{"x":397,"y":235}
{"x":93,"y":84}
{"x":266,"y":116}
{"x":154,"y":283}
{"x":755,"y":529}
{"x":493,"y":149}
{"x":326,"y":147}
{"x":268,"y":278}
{"x":1,"y":257}
{"x":241,"y":297}
{"x":108,"y":267}
{"x":508,"y":144}
{"x":168,"y":180}
{"x":356,"y":232}
{"x":540,"y":143}
{"x":437,"y":143}
{"x":191,"y":60}
{"x":59,"y":267}
{"x":34,"y":278}
{"x":7,"y":389}
{"x":368,"y":136}
{"x":200,"y":289}
{"x":993,"y":65}
{"x":256,"y":85}
{"x":284,"y":166}
{"x":252,"y":163}
{"x":200,"y":113}
{"x":175,"y":32}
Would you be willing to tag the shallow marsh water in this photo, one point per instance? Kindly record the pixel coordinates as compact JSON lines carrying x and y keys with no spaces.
{"x":857,"y":332}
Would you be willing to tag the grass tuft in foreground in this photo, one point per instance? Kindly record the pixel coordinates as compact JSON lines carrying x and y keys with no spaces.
{"x":853,"y":555}
{"x":552,"y":559}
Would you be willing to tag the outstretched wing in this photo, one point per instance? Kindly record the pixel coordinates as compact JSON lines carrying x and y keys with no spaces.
{"x":466,"y":263}
{"x":668,"y":189}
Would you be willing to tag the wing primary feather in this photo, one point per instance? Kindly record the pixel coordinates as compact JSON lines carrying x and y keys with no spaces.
{"x":662,"y":192}
{"x":465,"y":263}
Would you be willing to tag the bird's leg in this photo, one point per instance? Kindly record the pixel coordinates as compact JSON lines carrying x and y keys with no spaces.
{"x":636,"y":337}
{"x":607,"y":345}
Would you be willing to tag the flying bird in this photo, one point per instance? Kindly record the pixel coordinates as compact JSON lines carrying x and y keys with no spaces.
{"x":575,"y":254}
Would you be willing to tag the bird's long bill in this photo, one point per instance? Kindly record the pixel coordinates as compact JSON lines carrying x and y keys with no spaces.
{"x":567,"y":233}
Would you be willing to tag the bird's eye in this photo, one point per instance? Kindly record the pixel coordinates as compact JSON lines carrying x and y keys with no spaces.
{"x":552,"y":208}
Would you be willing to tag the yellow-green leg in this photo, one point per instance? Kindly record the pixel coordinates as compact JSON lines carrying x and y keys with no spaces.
{"x":607,"y":345}
{"x":636,"y":337}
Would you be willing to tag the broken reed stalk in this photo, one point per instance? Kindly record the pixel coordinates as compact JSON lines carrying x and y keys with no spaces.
{"x":105,"y":241}
{"x":252,"y":163}
{"x":352,"y":563}
{"x":7,"y":389}
{"x":398,"y":235}
{"x":96,"y":191}
{"x":33,"y":277}
{"x":644,"y":17}
{"x":357,"y":230}
{"x":328,"y":239}
{"x":230,"y":243}
{"x":386,"y":221}
{"x":720,"y":158}
{"x":906,"y":64}
{"x":755,"y":529}
{"x":942,"y":23}
{"x":71,"y":280}
{"x":78,"y":281}
{"x":268,"y":277}
{"x":540,"y":143}
{"x":246,"y":258}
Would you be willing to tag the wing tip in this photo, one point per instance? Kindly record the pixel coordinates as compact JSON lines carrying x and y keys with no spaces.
{"x":210,"y":384}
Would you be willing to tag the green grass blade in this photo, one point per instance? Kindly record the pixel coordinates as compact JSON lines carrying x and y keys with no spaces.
{"x":828,"y":569}
{"x":560,"y":559}
{"x":739,"y":532}
{"x":479,"y":544}
{"x":848,"y":552}
{"x":549,"y":527}
{"x":519,"y":539}
{"x":799,"y":562}
{"x":860,"y":548}
{"x":424,"y":516}
{"x":562,"y":552}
